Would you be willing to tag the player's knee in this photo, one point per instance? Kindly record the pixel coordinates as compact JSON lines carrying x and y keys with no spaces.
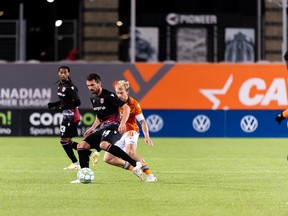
{"x":83,"y":145}
{"x":108,"y":158}
{"x":104,"y":145}
{"x":65,"y":140}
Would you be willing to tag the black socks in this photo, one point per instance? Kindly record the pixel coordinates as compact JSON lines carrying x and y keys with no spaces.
{"x":118,"y":152}
{"x":67,"y":146}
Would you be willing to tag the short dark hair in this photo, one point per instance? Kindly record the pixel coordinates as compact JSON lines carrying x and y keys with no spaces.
{"x":94,"y":76}
{"x":64,"y":67}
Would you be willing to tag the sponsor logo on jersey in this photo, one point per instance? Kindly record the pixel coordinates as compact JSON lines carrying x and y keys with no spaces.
{"x":99,"y":108}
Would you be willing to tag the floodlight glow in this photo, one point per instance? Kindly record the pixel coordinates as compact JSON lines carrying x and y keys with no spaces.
{"x":50,"y":1}
{"x":58,"y":23}
{"x":119,"y":23}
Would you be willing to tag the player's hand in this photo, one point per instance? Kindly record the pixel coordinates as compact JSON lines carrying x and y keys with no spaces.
{"x":88,"y":132}
{"x":148,"y":141}
{"x":122,"y":128}
{"x":279,"y":118}
{"x":51,"y":105}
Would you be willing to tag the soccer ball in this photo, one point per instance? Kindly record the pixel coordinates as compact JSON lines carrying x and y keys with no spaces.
{"x":85,"y":175}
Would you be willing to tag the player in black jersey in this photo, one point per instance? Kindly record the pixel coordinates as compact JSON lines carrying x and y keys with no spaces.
{"x":107,"y":127}
{"x":68,"y":104}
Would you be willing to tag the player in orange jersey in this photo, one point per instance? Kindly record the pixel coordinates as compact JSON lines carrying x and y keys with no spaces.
{"x":128,"y":141}
{"x":283,"y":115}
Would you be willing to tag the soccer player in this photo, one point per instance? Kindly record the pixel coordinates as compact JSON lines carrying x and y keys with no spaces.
{"x":283,"y":115}
{"x":128,"y":141}
{"x":107,"y":127}
{"x":68,"y":104}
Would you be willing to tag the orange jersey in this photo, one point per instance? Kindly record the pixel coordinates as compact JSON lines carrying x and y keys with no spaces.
{"x":135,"y":107}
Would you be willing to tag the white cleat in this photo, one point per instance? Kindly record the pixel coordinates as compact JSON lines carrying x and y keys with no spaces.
{"x":77,"y":181}
{"x":138,"y":171}
{"x":151,"y":178}
{"x":73,"y":166}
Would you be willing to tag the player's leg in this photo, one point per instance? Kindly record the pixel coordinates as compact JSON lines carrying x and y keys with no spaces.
{"x":115,"y":161}
{"x":118,"y":162}
{"x":128,"y":143}
{"x":131,"y":151}
{"x":67,"y":131}
{"x":118,"y":152}
{"x":109,"y":138}
{"x":130,"y":148}
{"x":83,"y":149}
{"x":66,"y":143}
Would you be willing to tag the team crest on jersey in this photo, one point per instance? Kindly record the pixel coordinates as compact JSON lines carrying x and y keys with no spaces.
{"x":101,"y":100}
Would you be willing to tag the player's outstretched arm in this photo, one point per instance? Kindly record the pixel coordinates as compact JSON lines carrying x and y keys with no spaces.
{"x":145,"y":130}
{"x":92,"y":128}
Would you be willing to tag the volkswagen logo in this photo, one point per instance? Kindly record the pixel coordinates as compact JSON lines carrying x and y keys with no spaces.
{"x":201,"y":123}
{"x":155,"y":123}
{"x":249,"y":123}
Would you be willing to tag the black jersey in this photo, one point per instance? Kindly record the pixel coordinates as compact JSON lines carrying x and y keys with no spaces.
{"x":68,"y":93}
{"x":106,"y":106}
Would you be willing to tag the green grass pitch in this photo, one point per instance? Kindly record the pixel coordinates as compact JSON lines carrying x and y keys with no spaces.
{"x":202,"y":176}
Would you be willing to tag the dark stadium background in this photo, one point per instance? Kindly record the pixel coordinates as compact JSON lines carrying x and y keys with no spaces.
{"x":40,"y":15}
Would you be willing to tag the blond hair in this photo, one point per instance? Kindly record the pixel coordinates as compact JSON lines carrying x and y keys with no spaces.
{"x":122,"y":84}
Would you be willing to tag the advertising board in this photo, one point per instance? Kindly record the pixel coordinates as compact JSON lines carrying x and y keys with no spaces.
{"x":178,"y":100}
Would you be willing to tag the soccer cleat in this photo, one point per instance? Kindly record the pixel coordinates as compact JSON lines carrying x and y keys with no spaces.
{"x":151,"y":178}
{"x":138,"y":171}
{"x":94,"y":157}
{"x":77,"y":181}
{"x":73,"y":166}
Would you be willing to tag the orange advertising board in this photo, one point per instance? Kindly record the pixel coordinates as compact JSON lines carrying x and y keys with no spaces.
{"x":215,"y":86}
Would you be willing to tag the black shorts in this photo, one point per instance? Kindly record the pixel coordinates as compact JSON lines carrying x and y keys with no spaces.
{"x":106,"y":134}
{"x":68,"y":129}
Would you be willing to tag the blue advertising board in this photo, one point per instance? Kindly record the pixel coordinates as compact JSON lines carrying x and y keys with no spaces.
{"x":218,"y":123}
{"x":161,"y":123}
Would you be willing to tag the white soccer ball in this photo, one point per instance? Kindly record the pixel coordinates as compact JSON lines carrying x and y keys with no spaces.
{"x":85,"y":175}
